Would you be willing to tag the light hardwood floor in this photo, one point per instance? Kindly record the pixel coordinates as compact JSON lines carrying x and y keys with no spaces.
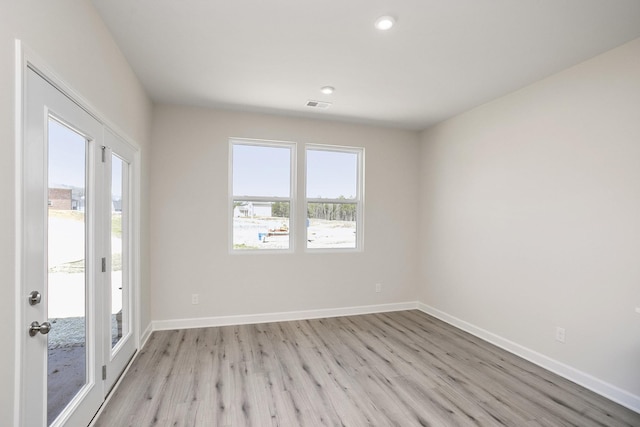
{"x":393,"y":369}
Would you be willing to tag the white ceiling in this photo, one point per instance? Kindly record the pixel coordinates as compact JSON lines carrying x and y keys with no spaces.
{"x":443,"y":57}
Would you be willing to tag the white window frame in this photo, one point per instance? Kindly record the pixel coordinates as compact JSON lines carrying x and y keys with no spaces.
{"x":358,"y":200}
{"x":291,"y":199}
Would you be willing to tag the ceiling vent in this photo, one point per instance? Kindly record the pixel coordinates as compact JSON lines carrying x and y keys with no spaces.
{"x":318,"y":104}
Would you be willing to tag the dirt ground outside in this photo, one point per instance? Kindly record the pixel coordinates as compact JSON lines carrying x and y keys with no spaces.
{"x":253,"y":233}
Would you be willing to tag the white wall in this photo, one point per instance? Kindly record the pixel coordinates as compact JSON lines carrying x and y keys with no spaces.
{"x":530,"y":217}
{"x":73,"y":41}
{"x":190,"y":220}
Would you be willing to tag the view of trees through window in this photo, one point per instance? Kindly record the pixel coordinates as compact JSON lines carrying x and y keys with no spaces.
{"x":333,"y":197}
{"x":332,"y":211}
{"x":327,"y":211}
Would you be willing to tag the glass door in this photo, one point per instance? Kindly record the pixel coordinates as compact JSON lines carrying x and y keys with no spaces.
{"x":77,"y":274}
{"x":119,"y":296}
{"x":63,"y":339}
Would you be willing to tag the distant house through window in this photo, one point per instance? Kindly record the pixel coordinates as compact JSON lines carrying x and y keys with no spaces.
{"x":262,"y":190}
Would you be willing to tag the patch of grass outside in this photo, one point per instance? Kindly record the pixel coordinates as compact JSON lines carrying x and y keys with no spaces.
{"x":78,"y":266}
{"x":67,"y":214}
{"x":69,"y":267}
{"x":116,"y":225}
{"x":244,"y":246}
{"x":116,"y":262}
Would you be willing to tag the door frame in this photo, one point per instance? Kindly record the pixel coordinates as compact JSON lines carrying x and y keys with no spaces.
{"x":26,"y":59}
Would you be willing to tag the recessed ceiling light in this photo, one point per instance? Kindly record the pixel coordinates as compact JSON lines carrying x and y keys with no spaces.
{"x":385,"y":22}
{"x":327,"y":90}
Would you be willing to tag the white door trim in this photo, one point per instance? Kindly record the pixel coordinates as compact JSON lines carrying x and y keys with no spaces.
{"x":26,"y":58}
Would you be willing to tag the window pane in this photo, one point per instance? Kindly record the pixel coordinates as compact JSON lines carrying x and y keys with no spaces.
{"x":331,"y":225}
{"x":260,"y":225}
{"x":119,"y":314}
{"x":261,"y":171}
{"x":331,"y":174}
{"x":67,"y":280}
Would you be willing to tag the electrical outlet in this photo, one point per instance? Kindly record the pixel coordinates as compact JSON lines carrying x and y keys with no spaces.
{"x":560,"y":332}
{"x":195,"y":299}
{"x":378,"y":287}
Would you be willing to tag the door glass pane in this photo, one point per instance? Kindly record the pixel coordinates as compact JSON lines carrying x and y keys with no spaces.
{"x":119,"y":316}
{"x":67,"y":361}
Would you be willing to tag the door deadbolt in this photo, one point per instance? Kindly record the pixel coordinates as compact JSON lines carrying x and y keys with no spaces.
{"x":36,"y":327}
{"x":35,"y":298}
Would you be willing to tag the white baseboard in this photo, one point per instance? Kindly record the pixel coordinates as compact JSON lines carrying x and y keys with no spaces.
{"x":144,"y":337}
{"x":205,"y":322}
{"x":590,"y":382}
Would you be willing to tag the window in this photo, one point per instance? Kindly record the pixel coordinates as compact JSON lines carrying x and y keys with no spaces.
{"x":263,"y":206}
{"x":261,"y":194}
{"x":334,"y":197}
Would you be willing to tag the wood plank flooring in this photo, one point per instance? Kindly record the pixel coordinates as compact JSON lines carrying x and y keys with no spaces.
{"x":392,"y":369}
